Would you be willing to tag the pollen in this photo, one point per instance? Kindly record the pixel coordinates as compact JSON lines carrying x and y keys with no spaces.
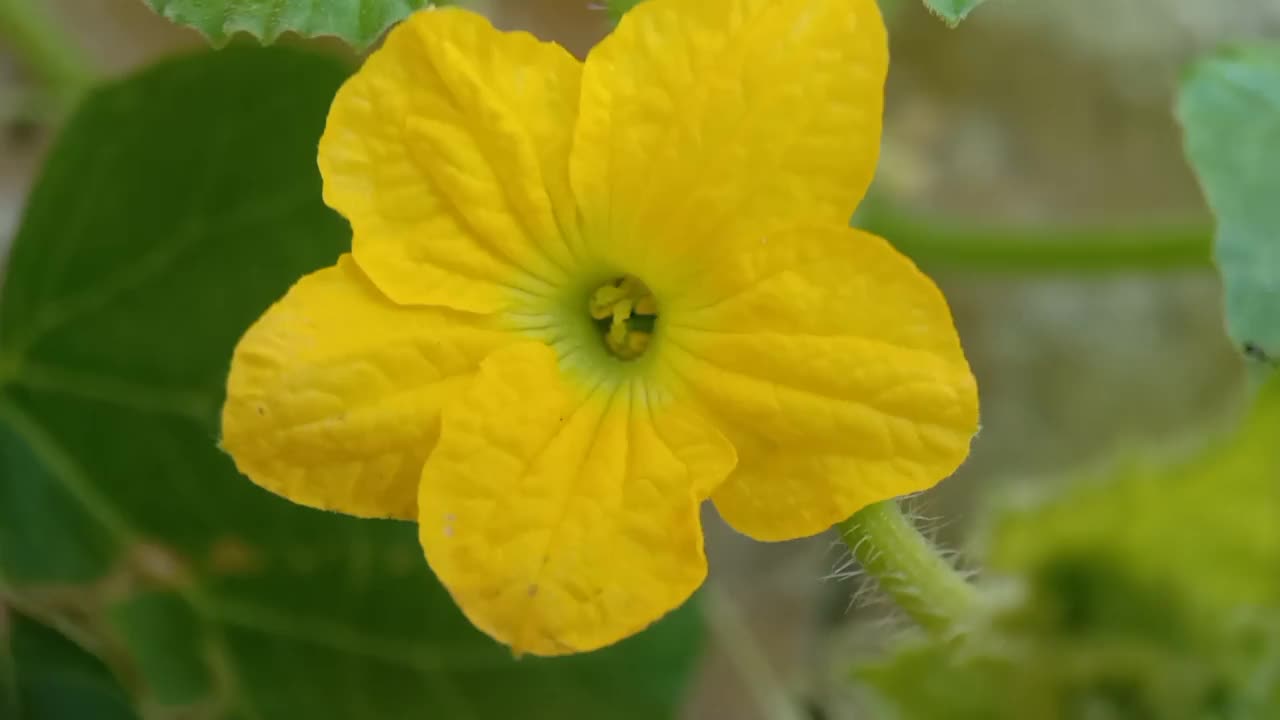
{"x":626,"y":313}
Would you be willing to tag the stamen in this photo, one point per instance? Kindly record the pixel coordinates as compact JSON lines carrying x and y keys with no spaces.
{"x":625,"y":311}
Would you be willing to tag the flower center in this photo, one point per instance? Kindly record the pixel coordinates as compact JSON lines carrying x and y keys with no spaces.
{"x":625,"y":313}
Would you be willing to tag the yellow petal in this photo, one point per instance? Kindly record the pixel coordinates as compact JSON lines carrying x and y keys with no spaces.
{"x":448,"y":152}
{"x":563,"y":518}
{"x":709,"y":121}
{"x":334,"y":395}
{"x":836,"y":369}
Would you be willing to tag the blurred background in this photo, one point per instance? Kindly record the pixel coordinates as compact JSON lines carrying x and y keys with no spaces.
{"x":1032,"y":114}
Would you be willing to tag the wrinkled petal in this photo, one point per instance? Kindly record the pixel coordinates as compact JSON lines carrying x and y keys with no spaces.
{"x":706,"y":122}
{"x":334,"y":395}
{"x":563,"y":517}
{"x":448,"y":152}
{"x":835,"y":367}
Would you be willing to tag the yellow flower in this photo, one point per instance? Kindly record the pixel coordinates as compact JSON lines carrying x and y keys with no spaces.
{"x":584,"y":297}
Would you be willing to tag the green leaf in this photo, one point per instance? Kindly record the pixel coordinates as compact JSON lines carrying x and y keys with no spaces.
{"x":1149,"y":594}
{"x":923,"y":680}
{"x":1229,"y":107}
{"x":952,"y":11}
{"x":176,"y":206}
{"x":1206,"y":527}
{"x":1027,"y":667}
{"x":45,"y":676}
{"x":359,"y":22}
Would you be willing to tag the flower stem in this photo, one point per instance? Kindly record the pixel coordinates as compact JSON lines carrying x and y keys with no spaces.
{"x":909,"y":568}
{"x":1039,"y":249}
{"x":45,"y":50}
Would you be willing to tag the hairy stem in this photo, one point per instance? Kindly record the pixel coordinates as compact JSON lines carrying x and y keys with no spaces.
{"x":42,"y":47}
{"x":909,"y":569}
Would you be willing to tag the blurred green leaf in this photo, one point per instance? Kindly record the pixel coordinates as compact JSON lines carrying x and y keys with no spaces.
{"x":359,"y":22}
{"x":1025,"y":667}
{"x":45,"y":676}
{"x":923,"y":680}
{"x":1229,"y":107}
{"x":952,"y":11}
{"x":175,"y":208}
{"x":1209,"y":527}
{"x":1153,"y":593}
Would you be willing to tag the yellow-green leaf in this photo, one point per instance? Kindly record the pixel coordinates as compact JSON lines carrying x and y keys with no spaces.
{"x":1151,"y":593}
{"x":1206,"y":526}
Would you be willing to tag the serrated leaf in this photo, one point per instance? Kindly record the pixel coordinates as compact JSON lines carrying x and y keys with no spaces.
{"x":46,"y":676}
{"x":952,"y":11}
{"x":359,"y":22}
{"x":1229,"y":107}
{"x":175,"y":207}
